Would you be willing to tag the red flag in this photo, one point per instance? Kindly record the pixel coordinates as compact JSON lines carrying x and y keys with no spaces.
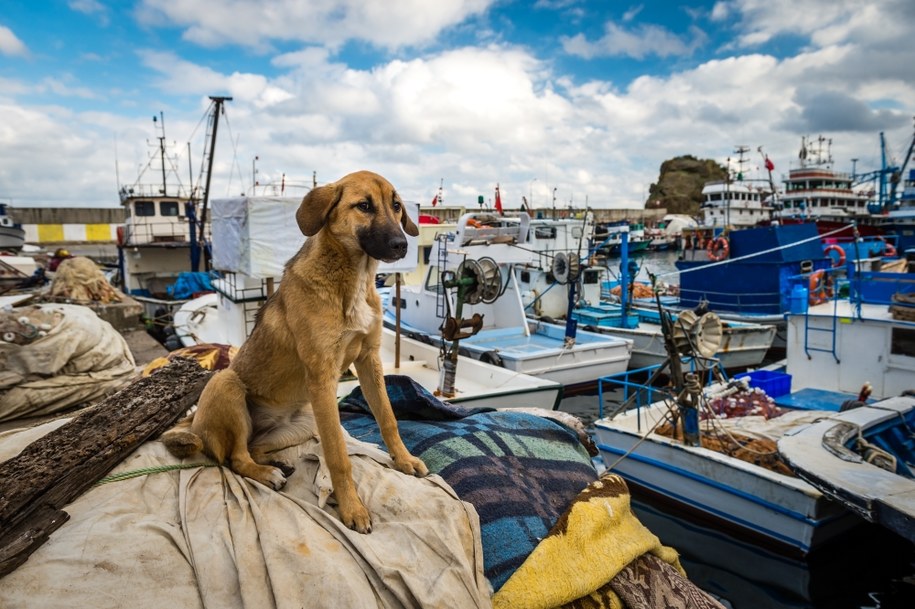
{"x":434,"y":200}
{"x":498,"y":201}
{"x":769,"y":164}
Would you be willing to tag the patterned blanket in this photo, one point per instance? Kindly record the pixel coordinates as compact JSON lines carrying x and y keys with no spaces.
{"x":519,"y":471}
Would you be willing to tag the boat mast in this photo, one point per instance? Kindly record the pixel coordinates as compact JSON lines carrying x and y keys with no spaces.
{"x":207,"y":173}
{"x":161,"y":138}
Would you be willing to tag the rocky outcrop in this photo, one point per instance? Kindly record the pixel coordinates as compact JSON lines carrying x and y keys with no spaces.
{"x":679,"y":185}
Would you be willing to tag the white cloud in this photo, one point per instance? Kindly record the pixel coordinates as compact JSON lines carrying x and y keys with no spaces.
{"x":92,"y":8}
{"x":638,"y":42}
{"x":10,"y":43}
{"x":389,"y":25}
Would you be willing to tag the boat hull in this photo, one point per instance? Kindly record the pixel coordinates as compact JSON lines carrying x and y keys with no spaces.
{"x":783,"y":514}
{"x":819,"y":455}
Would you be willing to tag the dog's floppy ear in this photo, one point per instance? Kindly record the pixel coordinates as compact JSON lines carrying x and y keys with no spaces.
{"x":408,"y":225}
{"x":315,"y":207}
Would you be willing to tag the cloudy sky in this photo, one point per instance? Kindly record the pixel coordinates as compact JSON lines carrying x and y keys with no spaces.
{"x":581,"y":98}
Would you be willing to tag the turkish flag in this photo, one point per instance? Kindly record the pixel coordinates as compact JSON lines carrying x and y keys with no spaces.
{"x":434,"y":200}
{"x":498,"y":201}
{"x":769,"y":164}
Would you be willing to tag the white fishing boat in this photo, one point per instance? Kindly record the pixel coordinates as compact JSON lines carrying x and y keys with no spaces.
{"x":864,"y":459}
{"x":166,"y":235}
{"x":839,"y":352}
{"x":549,"y":290}
{"x":705,"y":447}
{"x":770,"y":509}
{"x":252,"y":239}
{"x":471,"y":300}
{"x":12,"y":235}
{"x":207,"y":319}
{"x":735,"y":345}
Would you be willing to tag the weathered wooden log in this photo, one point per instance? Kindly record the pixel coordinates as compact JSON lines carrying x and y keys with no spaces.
{"x":54,"y":470}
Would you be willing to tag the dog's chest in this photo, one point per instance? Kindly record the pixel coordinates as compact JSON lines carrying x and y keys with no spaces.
{"x":359,"y":315}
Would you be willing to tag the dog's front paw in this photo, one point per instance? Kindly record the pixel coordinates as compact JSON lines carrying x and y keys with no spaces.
{"x":412,"y":466}
{"x":356,"y":517}
{"x":269,"y":476}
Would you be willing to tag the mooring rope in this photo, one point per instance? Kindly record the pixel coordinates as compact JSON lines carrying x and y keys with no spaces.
{"x":145,"y":471}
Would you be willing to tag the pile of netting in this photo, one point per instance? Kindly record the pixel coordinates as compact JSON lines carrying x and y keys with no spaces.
{"x":79,"y":279}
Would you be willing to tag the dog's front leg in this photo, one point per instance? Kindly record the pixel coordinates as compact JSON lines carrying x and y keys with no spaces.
{"x":352,"y":511}
{"x":371,"y":379}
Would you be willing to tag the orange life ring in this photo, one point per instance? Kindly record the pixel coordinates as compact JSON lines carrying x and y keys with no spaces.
{"x":819,"y":287}
{"x":888,"y":248}
{"x":835,"y":248}
{"x":718,"y":249}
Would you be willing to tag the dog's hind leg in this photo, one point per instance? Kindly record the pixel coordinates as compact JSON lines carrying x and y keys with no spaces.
{"x":223,"y":423}
{"x":181,"y":441}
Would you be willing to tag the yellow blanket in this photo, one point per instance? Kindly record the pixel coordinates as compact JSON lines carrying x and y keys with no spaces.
{"x":598,"y":551}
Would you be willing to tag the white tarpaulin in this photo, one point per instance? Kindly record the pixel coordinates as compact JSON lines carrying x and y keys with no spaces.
{"x":256,"y":236}
{"x":58,"y":356}
{"x":207,"y":538}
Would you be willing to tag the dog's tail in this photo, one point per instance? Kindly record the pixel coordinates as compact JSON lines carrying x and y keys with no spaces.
{"x":181,"y":441}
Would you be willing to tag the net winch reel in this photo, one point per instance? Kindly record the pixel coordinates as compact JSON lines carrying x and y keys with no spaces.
{"x":698,"y":335}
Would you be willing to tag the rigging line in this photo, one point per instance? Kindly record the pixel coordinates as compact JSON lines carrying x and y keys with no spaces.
{"x":753,"y":255}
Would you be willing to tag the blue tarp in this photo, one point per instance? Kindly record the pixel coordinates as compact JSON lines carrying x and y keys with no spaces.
{"x":189,"y":284}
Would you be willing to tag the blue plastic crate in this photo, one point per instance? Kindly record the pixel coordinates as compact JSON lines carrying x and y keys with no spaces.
{"x":773,"y":383}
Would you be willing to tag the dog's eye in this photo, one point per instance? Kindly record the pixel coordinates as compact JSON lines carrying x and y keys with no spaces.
{"x":364,"y":206}
{"x":396,"y":206}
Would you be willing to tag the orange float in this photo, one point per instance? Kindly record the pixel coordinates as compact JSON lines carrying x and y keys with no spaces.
{"x":835,"y":248}
{"x":718,"y":249}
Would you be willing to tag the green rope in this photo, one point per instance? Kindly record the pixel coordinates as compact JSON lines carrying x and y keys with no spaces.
{"x":150,"y":470}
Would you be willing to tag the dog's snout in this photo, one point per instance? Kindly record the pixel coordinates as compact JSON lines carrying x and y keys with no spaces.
{"x":398,"y":246}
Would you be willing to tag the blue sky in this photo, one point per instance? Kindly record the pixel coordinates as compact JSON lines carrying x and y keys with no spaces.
{"x":582,"y":98}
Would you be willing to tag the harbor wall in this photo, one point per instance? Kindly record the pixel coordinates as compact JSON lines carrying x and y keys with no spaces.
{"x":69,"y":225}
{"x":98,"y":225}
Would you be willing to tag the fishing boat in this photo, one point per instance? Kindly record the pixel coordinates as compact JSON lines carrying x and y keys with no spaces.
{"x":477,"y":384}
{"x":723,"y":472}
{"x":470,"y":300}
{"x":745,"y":275}
{"x":816,"y":192}
{"x":164,"y":244}
{"x":854,"y":345}
{"x":666,"y":235}
{"x":738,"y":345}
{"x":735,"y":345}
{"x":608,"y":237}
{"x":864,"y":455}
{"x":12,"y":235}
{"x":738,"y":201}
{"x":252,"y":239}
{"x":864,"y":459}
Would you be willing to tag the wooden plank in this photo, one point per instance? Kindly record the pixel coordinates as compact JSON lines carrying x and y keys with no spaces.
{"x":54,"y":470}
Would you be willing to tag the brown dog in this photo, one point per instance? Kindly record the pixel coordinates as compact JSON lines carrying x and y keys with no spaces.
{"x":325,"y":316}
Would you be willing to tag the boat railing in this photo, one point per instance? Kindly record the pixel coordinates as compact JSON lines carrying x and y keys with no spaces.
{"x":744,"y":301}
{"x":155,"y":233}
{"x":638,"y":392}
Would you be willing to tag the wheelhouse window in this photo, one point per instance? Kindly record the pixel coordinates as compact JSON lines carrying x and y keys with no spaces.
{"x":903,"y":342}
{"x":169,"y":209}
{"x":145,"y":208}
